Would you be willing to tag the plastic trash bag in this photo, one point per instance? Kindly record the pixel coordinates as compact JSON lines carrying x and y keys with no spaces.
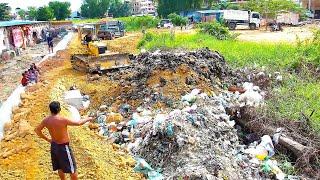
{"x":272,"y":166}
{"x":191,"y":97}
{"x":267,"y":143}
{"x":169,"y":129}
{"x":143,"y":167}
{"x":101,"y":119}
{"x":263,"y":150}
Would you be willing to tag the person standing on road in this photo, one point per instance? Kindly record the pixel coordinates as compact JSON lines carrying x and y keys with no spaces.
{"x":50,"y":42}
{"x":61,"y":153}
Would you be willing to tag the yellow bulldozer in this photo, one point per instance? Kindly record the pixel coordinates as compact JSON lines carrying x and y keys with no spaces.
{"x":99,"y":59}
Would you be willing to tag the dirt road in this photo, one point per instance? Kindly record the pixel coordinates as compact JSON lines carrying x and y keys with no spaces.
{"x":11,"y":70}
{"x":289,"y":34}
{"x":24,"y":156}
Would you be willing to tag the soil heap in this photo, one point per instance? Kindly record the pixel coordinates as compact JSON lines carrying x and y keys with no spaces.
{"x":160,"y":78}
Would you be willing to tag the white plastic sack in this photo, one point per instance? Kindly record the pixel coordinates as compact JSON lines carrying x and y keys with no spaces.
{"x":251,"y":97}
{"x":6,"y":108}
{"x":74,"y":113}
{"x":75,"y":98}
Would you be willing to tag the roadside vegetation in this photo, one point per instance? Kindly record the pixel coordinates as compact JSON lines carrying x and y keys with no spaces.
{"x":298,"y":94}
{"x":131,"y":23}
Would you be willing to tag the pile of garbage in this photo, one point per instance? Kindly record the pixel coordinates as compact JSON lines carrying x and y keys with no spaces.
{"x":164,"y":76}
{"x":192,"y":136}
{"x":195,"y":140}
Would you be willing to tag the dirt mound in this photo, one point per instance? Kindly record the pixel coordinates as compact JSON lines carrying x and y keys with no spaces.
{"x":164,"y":76}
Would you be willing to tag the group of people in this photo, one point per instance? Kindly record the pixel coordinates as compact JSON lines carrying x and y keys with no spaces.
{"x":31,"y":76}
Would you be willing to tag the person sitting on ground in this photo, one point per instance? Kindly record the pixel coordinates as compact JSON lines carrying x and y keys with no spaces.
{"x":61,"y":153}
{"x":50,"y":42}
{"x":27,"y":74}
{"x":32,"y":76}
{"x":24,"y":80}
{"x":36,"y":74}
{"x":33,"y":65}
{"x":35,"y":70}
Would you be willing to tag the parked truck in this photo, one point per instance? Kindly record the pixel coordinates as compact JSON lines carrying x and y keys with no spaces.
{"x":233,"y":18}
{"x":288,"y":18}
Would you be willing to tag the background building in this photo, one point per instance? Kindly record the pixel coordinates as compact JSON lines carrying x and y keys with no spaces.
{"x":143,"y":7}
{"x":312,"y":5}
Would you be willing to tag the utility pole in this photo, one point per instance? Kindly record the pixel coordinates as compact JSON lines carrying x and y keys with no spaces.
{"x":309,"y":5}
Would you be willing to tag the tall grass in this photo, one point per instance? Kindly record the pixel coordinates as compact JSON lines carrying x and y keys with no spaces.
{"x":138,"y":23}
{"x":236,"y":52}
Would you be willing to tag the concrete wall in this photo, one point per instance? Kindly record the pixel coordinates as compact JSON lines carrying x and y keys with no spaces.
{"x":315,"y":4}
{"x":4,"y":41}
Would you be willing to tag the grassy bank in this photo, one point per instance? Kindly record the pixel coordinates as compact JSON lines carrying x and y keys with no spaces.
{"x":236,"y":52}
{"x":299,"y":93}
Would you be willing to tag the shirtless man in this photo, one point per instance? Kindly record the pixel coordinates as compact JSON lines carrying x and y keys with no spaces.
{"x":61,"y":153}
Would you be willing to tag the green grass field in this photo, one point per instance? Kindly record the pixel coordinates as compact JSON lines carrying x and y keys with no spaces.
{"x":299,"y":93}
{"x":236,"y":52}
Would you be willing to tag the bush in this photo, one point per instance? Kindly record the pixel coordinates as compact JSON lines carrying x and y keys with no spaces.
{"x":178,"y":20}
{"x":138,"y":23}
{"x":148,"y":37}
{"x":217,"y":30}
{"x":309,"y":49}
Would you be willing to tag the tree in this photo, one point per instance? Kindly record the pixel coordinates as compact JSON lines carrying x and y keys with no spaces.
{"x":209,"y":3}
{"x":22,"y":14}
{"x":225,"y":5}
{"x":178,"y":20}
{"x":120,"y":9}
{"x":271,"y":8}
{"x":44,"y":14}
{"x":32,"y":13}
{"x":61,"y":10}
{"x":4,"y":11}
{"x":166,"y":7}
{"x":95,"y":8}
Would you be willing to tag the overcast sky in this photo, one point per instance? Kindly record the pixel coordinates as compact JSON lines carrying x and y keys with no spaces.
{"x":23,"y":4}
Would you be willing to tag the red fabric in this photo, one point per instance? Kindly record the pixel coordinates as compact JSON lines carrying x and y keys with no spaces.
{"x":24,"y":81}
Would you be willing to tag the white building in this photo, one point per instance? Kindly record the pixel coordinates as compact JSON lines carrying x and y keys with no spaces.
{"x":143,"y":7}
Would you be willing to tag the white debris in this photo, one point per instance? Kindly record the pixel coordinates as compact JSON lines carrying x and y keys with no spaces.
{"x":8,"y":105}
{"x":251,"y":97}
{"x":76,"y":99}
{"x":74,"y":113}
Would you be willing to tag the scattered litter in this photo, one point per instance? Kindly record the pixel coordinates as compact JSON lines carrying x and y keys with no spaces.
{"x":143,"y":167}
{"x":76,"y":99}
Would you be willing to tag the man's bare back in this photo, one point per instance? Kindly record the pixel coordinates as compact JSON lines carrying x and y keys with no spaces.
{"x":58,"y":129}
{"x":61,"y":153}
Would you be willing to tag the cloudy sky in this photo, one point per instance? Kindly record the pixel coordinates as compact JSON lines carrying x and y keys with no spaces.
{"x":23,"y":4}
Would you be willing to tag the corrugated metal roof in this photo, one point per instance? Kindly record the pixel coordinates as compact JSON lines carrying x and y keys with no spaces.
{"x":17,"y":23}
{"x":208,"y":11}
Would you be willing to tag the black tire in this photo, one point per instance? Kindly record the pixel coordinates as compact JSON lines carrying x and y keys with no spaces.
{"x":232,"y":26}
{"x":252,"y":26}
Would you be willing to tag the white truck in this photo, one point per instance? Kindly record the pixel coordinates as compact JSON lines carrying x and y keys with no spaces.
{"x":288,"y":18}
{"x":238,"y":17}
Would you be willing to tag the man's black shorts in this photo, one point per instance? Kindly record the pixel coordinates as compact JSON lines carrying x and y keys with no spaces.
{"x":62,"y":158}
{"x":50,"y":44}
